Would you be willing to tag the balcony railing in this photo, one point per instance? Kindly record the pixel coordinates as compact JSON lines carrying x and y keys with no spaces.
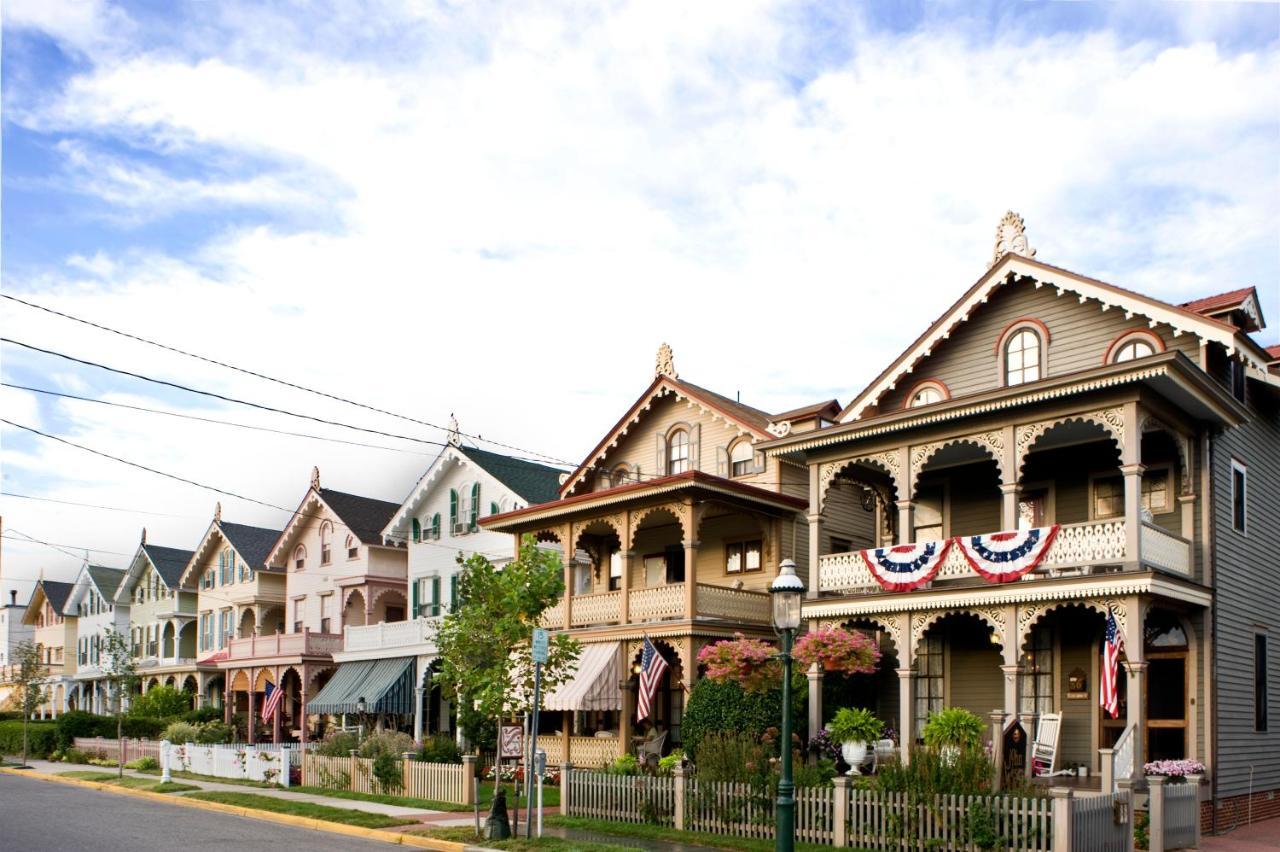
{"x":1076,"y":546}
{"x":305,"y":643}
{"x":600,"y":608}
{"x":658,"y":603}
{"x":733,"y":604}
{"x":394,"y":635}
{"x":1163,"y":549}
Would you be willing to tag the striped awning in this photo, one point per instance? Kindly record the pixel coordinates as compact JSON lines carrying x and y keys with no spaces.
{"x":385,"y":685}
{"x":594,"y":686}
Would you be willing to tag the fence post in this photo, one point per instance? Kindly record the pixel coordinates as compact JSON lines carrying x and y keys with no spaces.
{"x":1155,"y":813}
{"x":165,"y":777}
{"x":1061,"y":798}
{"x":1107,"y":761}
{"x":355,"y":761}
{"x":286,"y":764}
{"x":840,"y":811}
{"x":566,"y":769}
{"x":679,"y":778}
{"x":1127,"y":801}
{"x":469,"y":779}
{"x":1197,"y":781}
{"x":405,"y":757}
{"x":997,"y":747}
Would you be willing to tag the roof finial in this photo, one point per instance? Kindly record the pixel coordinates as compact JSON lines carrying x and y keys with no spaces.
{"x":315,"y":478}
{"x":144,"y":535}
{"x":217,"y":511}
{"x":1011,"y":237}
{"x":666,"y":365}
{"x":455,"y":436}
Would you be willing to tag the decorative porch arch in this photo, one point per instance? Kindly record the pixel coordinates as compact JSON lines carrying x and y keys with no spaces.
{"x":1150,"y":423}
{"x":990,"y":442}
{"x":638,"y":518}
{"x":1031,"y":615}
{"x":240,"y":683}
{"x":992,"y":617}
{"x":1111,"y":420}
{"x":887,"y":462}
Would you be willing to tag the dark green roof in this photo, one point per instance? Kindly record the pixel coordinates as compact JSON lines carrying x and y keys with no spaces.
{"x":536,"y":483}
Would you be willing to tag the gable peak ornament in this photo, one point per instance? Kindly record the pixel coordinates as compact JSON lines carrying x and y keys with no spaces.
{"x":455,"y":436}
{"x":217,"y":511}
{"x":315,"y":478}
{"x":144,"y":535}
{"x":1011,"y":236}
{"x":666,"y":365}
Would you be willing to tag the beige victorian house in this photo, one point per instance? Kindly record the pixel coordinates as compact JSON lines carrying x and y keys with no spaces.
{"x":673,"y":526}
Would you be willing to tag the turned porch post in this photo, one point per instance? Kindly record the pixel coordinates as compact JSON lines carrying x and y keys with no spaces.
{"x":814,"y":674}
{"x":690,"y":577}
{"x":1131,"y":469}
{"x":815,"y":530}
{"x":1135,"y":667}
{"x":906,"y":690}
{"x":569,"y":546}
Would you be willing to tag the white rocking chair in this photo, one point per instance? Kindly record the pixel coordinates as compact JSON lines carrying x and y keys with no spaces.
{"x":1044,"y":748}
{"x":651,"y":749}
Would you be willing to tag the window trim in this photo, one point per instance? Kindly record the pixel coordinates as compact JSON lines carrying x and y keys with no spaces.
{"x":751,"y":459}
{"x":1240,"y":467}
{"x":743,"y":540}
{"x":679,"y":429}
{"x":1037,"y":328}
{"x":1165,"y":468}
{"x":923,"y":385}
{"x":1261,"y":710}
{"x":1126,"y":337}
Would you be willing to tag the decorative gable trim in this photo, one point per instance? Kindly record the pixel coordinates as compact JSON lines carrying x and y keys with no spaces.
{"x":398,"y":527}
{"x":1013,"y":268}
{"x":207,"y":543}
{"x":279,"y":554}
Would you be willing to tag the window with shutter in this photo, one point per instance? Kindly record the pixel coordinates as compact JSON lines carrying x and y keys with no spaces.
{"x":678,"y":452}
{"x":453,"y":511}
{"x":417,"y":530}
{"x":474,"y":521}
{"x":722,"y":461}
{"x":741,"y":459}
{"x":453,"y":592}
{"x":435,"y":595}
{"x":435,"y":526}
{"x":413,"y":602}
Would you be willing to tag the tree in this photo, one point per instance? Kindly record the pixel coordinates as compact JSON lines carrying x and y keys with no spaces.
{"x":484,"y":641}
{"x":121,"y":673}
{"x":27,"y":673}
{"x":161,"y":702}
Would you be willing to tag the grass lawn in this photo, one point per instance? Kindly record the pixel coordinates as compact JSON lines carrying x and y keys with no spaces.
{"x":302,"y":809}
{"x":550,"y":798}
{"x":191,"y":776}
{"x":133,"y":782}
{"x":468,"y":835}
{"x":648,"y":831}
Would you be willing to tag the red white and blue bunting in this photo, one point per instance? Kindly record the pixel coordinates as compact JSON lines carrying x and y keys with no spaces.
{"x":1005,"y":556}
{"x":906,"y":566}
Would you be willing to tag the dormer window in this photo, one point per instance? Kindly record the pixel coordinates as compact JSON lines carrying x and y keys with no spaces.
{"x":353,"y":547}
{"x":326,"y":546}
{"x":1022,"y":352}
{"x":621,"y":475}
{"x":1134,"y":345}
{"x":741,"y":459}
{"x":678,"y":452}
{"x":928,"y":393}
{"x":299,"y":558}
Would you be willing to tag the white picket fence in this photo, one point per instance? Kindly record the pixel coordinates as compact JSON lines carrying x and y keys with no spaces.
{"x":435,"y":782}
{"x":112,"y":748}
{"x":621,"y":798}
{"x":263,"y":762}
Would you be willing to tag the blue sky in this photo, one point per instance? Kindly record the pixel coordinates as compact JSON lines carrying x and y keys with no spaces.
{"x":500,"y":210}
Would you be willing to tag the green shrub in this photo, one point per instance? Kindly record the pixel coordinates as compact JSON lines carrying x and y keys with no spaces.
{"x":854,"y":724}
{"x":146,"y":762}
{"x":726,"y":707}
{"x":338,"y":744}
{"x":215,"y":733}
{"x":203,"y":714}
{"x":967,"y":771}
{"x":137,"y":727}
{"x":440,"y":749}
{"x":78,"y":723}
{"x":667,"y":765}
{"x":393,"y":743}
{"x":75,"y":755}
{"x":953,"y":726}
{"x":180,"y":732}
{"x":160,"y":702}
{"x":625,"y":765}
{"x":737,"y":757}
{"x":41,"y":741}
{"x":386,"y":768}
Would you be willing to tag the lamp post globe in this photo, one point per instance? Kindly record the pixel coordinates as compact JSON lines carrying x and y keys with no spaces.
{"x":787,"y":591}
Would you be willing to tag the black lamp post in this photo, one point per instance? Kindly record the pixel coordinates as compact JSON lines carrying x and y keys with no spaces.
{"x":788,"y":591}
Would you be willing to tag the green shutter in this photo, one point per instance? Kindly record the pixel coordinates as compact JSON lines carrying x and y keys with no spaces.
{"x":453,"y":510}
{"x":435,"y":525}
{"x":417,"y":530}
{"x":413,"y":613}
{"x":453,"y":592}
{"x":475,"y":506}
{"x":435,"y":595}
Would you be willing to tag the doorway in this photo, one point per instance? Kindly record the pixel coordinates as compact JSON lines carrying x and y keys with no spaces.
{"x":1166,"y":686}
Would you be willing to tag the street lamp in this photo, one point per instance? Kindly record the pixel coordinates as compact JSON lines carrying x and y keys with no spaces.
{"x":361,"y":706}
{"x":787,"y":590}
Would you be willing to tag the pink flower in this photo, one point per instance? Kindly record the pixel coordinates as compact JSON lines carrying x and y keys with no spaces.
{"x":837,"y":649}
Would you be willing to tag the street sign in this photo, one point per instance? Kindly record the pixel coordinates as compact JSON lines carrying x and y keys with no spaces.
{"x":540,"y":639}
{"x":511,"y":742}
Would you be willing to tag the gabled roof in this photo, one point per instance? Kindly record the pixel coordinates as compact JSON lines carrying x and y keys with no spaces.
{"x":169,"y":562}
{"x":252,"y":544}
{"x":1274,"y":353}
{"x":364,"y":516}
{"x":1244,"y":300}
{"x":532,"y":482}
{"x":1011,"y":269}
{"x":745,"y":417}
{"x":56,"y":593}
{"x":107,"y":580}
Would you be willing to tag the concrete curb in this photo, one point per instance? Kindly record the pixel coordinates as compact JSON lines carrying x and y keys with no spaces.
{"x":416,"y":841}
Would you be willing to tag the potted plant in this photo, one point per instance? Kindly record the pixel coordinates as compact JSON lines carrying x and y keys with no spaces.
{"x":750,"y":663}
{"x":853,"y":728}
{"x":952,"y":729}
{"x":838,"y":650}
{"x":1175,"y":770}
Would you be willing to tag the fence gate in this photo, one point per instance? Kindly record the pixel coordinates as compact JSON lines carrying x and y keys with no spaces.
{"x":1094,"y":826}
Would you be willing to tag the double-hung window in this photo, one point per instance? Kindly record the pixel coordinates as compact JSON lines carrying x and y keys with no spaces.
{"x":1239,"y":497}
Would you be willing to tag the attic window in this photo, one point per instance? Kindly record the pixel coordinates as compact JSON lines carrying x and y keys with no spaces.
{"x":741,"y":459}
{"x":353,"y":548}
{"x":678,"y":452}
{"x":299,"y":558}
{"x":928,"y":393}
{"x":1022,"y":355}
{"x":1134,"y":345}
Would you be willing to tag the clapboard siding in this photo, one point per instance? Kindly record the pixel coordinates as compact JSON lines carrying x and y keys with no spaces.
{"x":843,"y":517}
{"x":1079,"y":338}
{"x":974,"y":677}
{"x":1247,"y":582}
{"x":973,"y":495}
{"x":1077,"y":713}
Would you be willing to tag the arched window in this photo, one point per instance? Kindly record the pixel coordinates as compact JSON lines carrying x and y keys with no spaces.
{"x":326,"y":545}
{"x":621,"y":475}
{"x":225,"y":569}
{"x":678,"y":452}
{"x":453,"y":511}
{"x":435,"y":526}
{"x":1134,"y":345}
{"x":927,"y":393}
{"x":741,"y":459}
{"x":1022,"y":357}
{"x":353,"y":547}
{"x":299,"y":558}
{"x":474,"y":520}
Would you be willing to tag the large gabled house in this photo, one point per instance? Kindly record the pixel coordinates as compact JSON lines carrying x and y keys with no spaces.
{"x":92,"y":599}
{"x":1053,"y":454}
{"x":672,"y":528}
{"x":439,"y":520}
{"x":162,"y":617}
{"x":53,"y":629}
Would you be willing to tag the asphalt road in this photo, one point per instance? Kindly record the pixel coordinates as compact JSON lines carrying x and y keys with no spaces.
{"x":42,"y":816}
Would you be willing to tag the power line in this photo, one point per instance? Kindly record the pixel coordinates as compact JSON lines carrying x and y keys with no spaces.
{"x":215,"y":420}
{"x":265,"y":377}
{"x":60,"y":545}
{"x":96,"y":506}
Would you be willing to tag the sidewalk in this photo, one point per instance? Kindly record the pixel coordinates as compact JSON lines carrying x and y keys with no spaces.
{"x":1249,"y":838}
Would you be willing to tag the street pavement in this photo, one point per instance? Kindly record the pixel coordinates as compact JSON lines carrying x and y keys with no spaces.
{"x":42,"y":816}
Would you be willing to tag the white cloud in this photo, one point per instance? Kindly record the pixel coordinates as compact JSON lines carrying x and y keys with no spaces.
{"x":530,"y":203}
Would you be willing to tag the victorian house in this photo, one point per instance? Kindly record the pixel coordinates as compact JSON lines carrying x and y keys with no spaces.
{"x":162,"y":617}
{"x":1054,"y":453}
{"x":333,"y":569}
{"x":672,"y":528}
{"x":438,"y":522}
{"x":92,"y":599}
{"x":53,"y":629}
{"x":240,"y":599}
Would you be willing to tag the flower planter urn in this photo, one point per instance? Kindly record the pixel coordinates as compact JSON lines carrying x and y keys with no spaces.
{"x":854,"y":753}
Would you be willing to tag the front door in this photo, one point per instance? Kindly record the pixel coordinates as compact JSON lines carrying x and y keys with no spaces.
{"x":1166,"y":706}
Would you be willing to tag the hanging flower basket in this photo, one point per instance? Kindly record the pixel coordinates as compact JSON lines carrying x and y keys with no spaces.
{"x":835,"y":649}
{"x":750,"y":663}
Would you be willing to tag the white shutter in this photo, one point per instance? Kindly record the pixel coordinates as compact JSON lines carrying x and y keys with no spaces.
{"x":662,"y":455}
{"x":722,"y":462}
{"x":695,"y":447}
{"x":759,"y":459}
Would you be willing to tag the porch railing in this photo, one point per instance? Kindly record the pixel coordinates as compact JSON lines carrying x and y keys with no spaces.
{"x":657,"y":603}
{"x":1075,"y":546}
{"x":601,"y":608}
{"x":284,"y":645}
{"x":1163,"y":549}
{"x":382,"y":635}
{"x":733,"y":604}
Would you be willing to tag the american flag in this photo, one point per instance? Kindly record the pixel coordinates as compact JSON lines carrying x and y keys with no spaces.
{"x":274,"y":695}
{"x":652,"y":668}
{"x":1112,"y":645}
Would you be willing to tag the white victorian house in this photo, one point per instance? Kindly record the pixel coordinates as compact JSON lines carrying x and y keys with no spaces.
{"x":92,"y":601}
{"x":437,"y":522}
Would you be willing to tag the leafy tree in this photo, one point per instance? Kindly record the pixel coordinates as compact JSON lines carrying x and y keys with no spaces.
{"x":27,"y":673}
{"x":121,"y":673}
{"x":160,"y":702}
{"x":484,"y":641}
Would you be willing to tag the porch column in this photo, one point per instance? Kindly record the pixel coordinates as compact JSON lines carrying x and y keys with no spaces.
{"x":906,"y":689}
{"x":1010,"y":666}
{"x":1009,"y":505}
{"x":302,"y":708}
{"x":815,"y":698}
{"x":626,"y":719}
{"x":227,"y":703}
{"x":906,"y":510}
{"x":418,"y":692}
{"x":690,"y":577}
{"x":1132,"y":511}
{"x":815,"y":530}
{"x":624,"y":586}
{"x":1135,"y":666}
{"x":568,"y":586}
{"x":249,"y":725}
{"x":275,"y":717}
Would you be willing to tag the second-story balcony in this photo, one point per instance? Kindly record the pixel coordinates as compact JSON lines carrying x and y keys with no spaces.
{"x":661,"y":603}
{"x":1092,"y":547}
{"x":395,"y":634}
{"x":303,"y":644}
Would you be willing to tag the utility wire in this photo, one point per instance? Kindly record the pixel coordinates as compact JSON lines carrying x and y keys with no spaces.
{"x":96,"y":506}
{"x":215,"y":420}
{"x":265,"y":377}
{"x":79,"y":547}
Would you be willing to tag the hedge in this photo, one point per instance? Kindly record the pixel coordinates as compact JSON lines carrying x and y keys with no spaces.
{"x":78,"y":723}
{"x":41,"y":739}
{"x":716,"y":707}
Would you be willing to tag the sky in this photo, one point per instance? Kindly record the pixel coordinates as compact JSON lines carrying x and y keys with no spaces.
{"x":499,"y":211}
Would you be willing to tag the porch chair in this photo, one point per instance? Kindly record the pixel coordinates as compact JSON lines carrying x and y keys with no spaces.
{"x":1044,"y":748}
{"x":881,"y":752}
{"x":651,"y":749}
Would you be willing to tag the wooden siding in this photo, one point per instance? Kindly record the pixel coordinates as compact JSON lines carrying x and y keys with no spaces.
{"x":974,"y":677}
{"x":843,"y":517}
{"x":1078,"y":714}
{"x":1247,"y":583}
{"x":1080,"y":335}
